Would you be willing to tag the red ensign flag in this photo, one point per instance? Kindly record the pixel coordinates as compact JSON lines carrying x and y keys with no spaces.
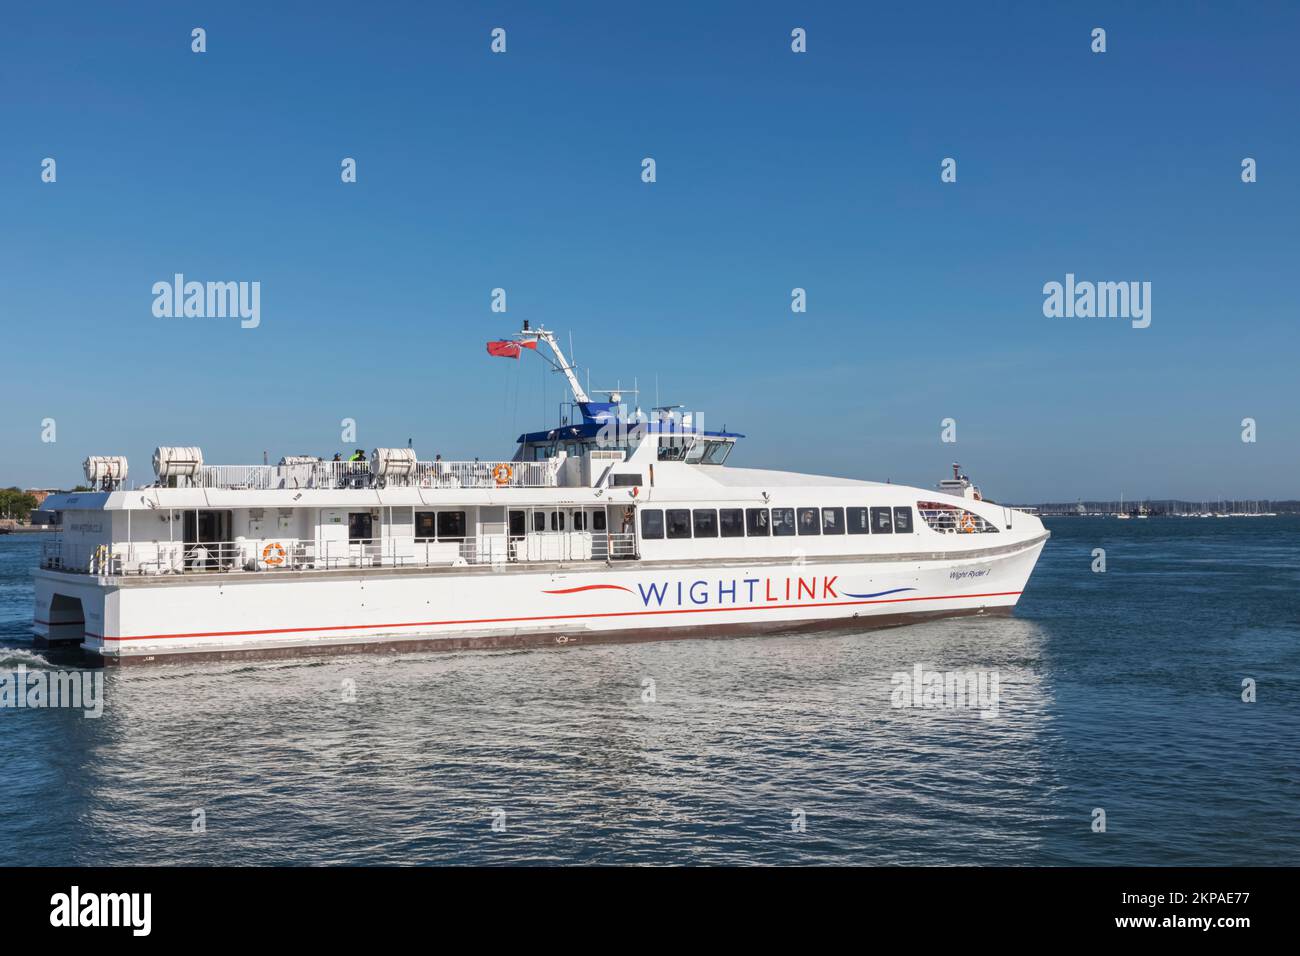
{"x":508,"y":349}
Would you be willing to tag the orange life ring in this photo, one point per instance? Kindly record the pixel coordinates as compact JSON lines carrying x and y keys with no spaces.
{"x":278,"y":548}
{"x":968,"y":522}
{"x":503,"y":473}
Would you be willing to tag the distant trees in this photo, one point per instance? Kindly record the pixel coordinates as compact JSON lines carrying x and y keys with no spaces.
{"x":16,"y":503}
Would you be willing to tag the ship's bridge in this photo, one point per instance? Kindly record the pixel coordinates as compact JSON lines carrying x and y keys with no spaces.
{"x":674,"y":439}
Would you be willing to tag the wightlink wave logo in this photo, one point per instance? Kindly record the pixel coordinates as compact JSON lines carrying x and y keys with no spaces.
{"x":209,"y":300}
{"x":1102,"y":300}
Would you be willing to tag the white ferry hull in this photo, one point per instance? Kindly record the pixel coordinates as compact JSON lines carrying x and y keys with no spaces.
{"x":141,"y":619}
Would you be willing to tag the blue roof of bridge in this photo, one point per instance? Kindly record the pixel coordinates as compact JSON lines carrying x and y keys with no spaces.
{"x":586,"y":430}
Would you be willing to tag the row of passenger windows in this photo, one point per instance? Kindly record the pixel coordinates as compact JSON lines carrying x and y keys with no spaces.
{"x":582,"y":521}
{"x":764,"y":522}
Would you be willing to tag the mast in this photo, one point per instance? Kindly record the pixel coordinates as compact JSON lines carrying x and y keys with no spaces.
{"x":540,"y":334}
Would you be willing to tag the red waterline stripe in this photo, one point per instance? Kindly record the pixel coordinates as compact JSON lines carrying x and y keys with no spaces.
{"x":548,"y":617}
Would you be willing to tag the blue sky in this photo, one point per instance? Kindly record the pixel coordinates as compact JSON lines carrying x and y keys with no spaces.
{"x":775,"y":170}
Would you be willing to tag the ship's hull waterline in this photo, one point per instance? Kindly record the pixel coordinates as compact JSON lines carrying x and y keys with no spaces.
{"x":151,"y":619}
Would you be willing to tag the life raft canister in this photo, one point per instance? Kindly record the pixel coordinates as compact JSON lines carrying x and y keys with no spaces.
{"x":503,"y":473}
{"x":274,"y":553}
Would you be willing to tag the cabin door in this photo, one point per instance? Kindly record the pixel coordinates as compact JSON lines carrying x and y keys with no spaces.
{"x":207,"y":527}
{"x":207,"y":538}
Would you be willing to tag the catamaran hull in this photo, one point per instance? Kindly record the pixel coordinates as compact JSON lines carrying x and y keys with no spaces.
{"x":129,"y":620}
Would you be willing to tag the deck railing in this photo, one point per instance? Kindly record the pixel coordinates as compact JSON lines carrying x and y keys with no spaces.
{"x":359,"y":474}
{"x":164,"y":557}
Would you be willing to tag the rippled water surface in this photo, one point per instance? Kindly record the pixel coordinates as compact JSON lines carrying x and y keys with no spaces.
{"x":1119,"y":691}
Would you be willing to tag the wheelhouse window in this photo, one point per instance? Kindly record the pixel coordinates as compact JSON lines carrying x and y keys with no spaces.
{"x":782,"y":521}
{"x":672,"y":449}
{"x":858,"y":520}
{"x":882,"y":521}
{"x":706,"y":523}
{"x":716,"y":452}
{"x":679,"y":523}
{"x":809,"y":521}
{"x":758,"y":523}
{"x":832,"y":521}
{"x":902,"y":520}
{"x":652,"y":523}
{"x":731,"y":522}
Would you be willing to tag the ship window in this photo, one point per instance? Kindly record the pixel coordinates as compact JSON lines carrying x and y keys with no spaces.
{"x":425,"y":528}
{"x":652,"y":523}
{"x":360,"y":526}
{"x":716,"y":453}
{"x":517,"y":524}
{"x":757,"y":522}
{"x":539,"y":521}
{"x":832,"y":521}
{"x":809,"y":523}
{"x":731,"y":521}
{"x":598,"y":521}
{"x":695,"y":452}
{"x":706,"y":523}
{"x":451,"y":524}
{"x":903,"y":520}
{"x":782,"y":521}
{"x":881,"y":522}
{"x":557,"y":520}
{"x":626,"y":481}
{"x":679,"y":523}
{"x":579,"y":521}
{"x":672,"y":449}
{"x":859,"y":521}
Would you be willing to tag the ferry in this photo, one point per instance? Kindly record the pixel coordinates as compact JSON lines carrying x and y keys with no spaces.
{"x":610,"y":526}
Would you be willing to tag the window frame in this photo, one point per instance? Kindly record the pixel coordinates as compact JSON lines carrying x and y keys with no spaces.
{"x":682,"y":515}
{"x":788,"y":514}
{"x":656,"y":534}
{"x":910,"y":522}
{"x":708,"y":528}
{"x":876,"y":527}
{"x":451,"y":534}
{"x":839,"y":521}
{"x":814,"y":526}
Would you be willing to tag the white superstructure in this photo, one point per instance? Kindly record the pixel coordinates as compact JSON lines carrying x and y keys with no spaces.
{"x":612,"y":527}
